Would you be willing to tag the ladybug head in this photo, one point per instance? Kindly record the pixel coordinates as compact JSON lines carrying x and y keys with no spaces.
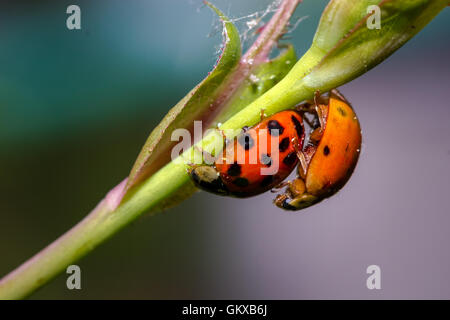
{"x":207,"y":178}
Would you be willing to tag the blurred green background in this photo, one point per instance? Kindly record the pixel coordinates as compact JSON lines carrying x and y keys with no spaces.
{"x":75,"y":108}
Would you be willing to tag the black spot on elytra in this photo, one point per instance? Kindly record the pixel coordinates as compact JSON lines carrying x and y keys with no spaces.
{"x":246,"y":141}
{"x":326,"y":150}
{"x":266,"y":160}
{"x":275,"y":128}
{"x":241,"y":182}
{"x":284,"y":144}
{"x":298,"y":126}
{"x":234,"y":170}
{"x":267,"y":181}
{"x":342,"y":112}
{"x":290,"y":159}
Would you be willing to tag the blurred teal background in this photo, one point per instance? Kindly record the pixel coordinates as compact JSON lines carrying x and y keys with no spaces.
{"x":76,"y":107}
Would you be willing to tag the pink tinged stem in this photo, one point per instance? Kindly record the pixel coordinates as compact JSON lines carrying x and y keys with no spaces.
{"x":260,"y":49}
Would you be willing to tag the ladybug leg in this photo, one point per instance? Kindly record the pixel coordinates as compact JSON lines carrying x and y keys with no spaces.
{"x":191,"y":166}
{"x":310,"y":109}
{"x":294,"y":197}
{"x":297,"y":188}
{"x":303,"y":164}
{"x":262,"y":115}
{"x":305,"y":107}
{"x":320,"y":116}
{"x":224,"y":136}
{"x":308,"y":121}
{"x":222,"y":133}
{"x":317,"y":97}
{"x":315,"y":136}
{"x":321,"y":112}
{"x":320,"y":98}
{"x":301,"y":157}
{"x":280,"y":200}
{"x":280,"y":186}
{"x":338,"y":94}
{"x":318,"y":109}
{"x":309,"y":105}
{"x":296,"y":146}
{"x":313,"y":107}
{"x":284,"y":201}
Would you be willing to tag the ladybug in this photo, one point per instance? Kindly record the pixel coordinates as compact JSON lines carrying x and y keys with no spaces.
{"x":257,"y":160}
{"x":328,"y":161}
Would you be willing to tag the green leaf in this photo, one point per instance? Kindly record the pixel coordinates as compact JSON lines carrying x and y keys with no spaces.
{"x":264,"y":77}
{"x":362,"y":48}
{"x":198,"y":104}
{"x":343,"y":48}
{"x":233,"y":84}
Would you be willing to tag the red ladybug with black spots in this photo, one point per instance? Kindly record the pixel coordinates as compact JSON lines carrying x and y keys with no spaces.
{"x":328,"y":160}
{"x":257,"y":160}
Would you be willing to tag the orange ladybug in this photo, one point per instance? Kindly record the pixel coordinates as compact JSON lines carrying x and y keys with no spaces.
{"x":328,"y":161}
{"x":256,"y":160}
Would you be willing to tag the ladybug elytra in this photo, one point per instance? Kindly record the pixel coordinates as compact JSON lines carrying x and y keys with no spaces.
{"x":328,"y":161}
{"x":271,"y":144}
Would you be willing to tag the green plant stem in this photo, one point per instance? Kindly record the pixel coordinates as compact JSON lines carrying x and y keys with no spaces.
{"x":53,"y":259}
{"x":98,"y":226}
{"x":104,"y":220}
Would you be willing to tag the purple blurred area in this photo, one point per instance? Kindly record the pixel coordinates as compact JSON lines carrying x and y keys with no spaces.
{"x":394,"y":211}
